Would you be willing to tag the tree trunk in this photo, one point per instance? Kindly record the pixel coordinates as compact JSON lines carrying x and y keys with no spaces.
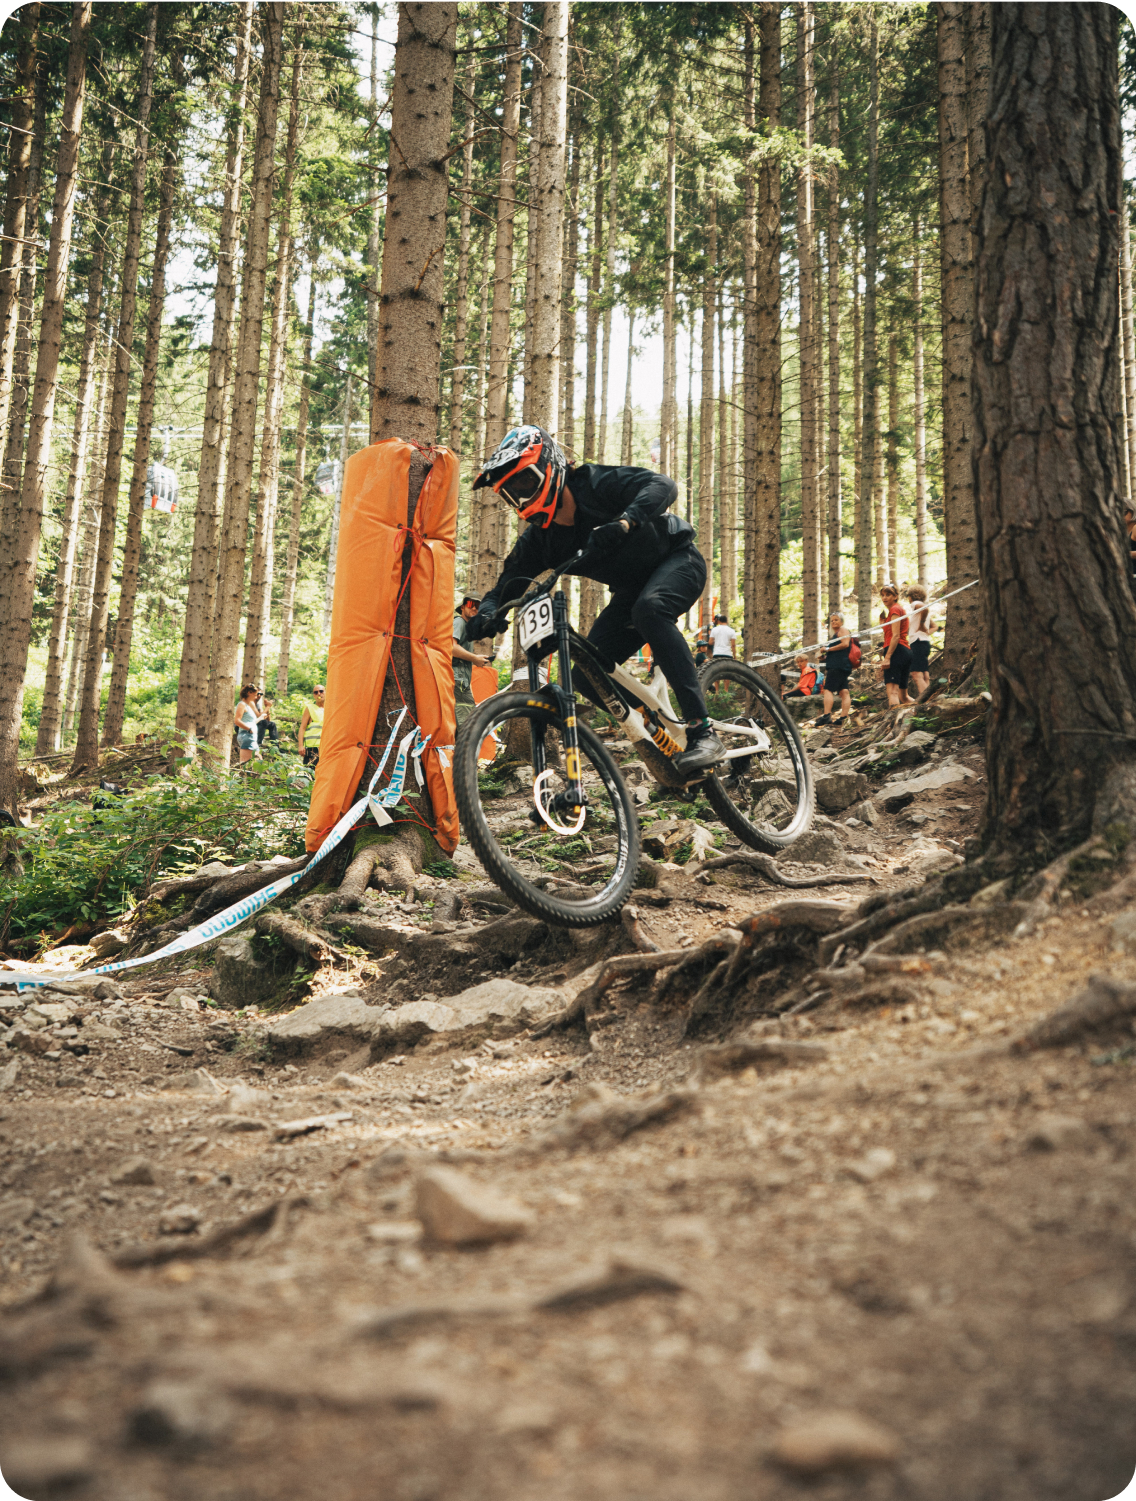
{"x":628,"y":422}
{"x":766,"y":631}
{"x":835,"y":519}
{"x":12,"y":474}
{"x":87,"y":740}
{"x":725,"y":495}
{"x":879,"y":502}
{"x":492,"y":524}
{"x":19,"y":585}
{"x":299,"y":478}
{"x":373,"y":238}
{"x":609,"y":291}
{"x":22,"y":117}
{"x":461,"y":299}
{"x":668,"y":434}
{"x":81,"y":613}
{"x":1047,"y":456}
{"x":810,"y":496}
{"x":893,"y":455}
{"x":690,"y":413}
{"x":264,"y":538}
{"x":730,"y":589}
{"x":532,"y":221}
{"x":869,"y":359}
{"x":337,"y":509}
{"x":964,"y":617}
{"x":857,"y":391}
{"x":595,"y":268}
{"x":920,"y":414}
{"x":706,"y":411}
{"x":143,"y":423}
{"x":749,"y":353}
{"x":568,"y":308}
{"x":545,"y":351}
{"x":47,"y":735}
{"x":412,"y":290}
{"x":246,"y":382}
{"x":1128,"y":346}
{"x":482,"y":354}
{"x":193,"y":677}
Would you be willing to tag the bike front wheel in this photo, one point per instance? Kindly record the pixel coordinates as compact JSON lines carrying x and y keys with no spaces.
{"x":765,"y":795}
{"x":574,"y":880}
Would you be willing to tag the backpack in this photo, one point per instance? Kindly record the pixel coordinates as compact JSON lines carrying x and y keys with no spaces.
{"x":855,"y":655}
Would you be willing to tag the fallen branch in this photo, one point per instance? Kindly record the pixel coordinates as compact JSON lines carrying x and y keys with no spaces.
{"x":630,"y":919}
{"x":765,"y":865}
{"x":1102,"y":1001}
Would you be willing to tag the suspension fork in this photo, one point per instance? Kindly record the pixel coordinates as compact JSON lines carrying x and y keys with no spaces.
{"x":574,"y":797}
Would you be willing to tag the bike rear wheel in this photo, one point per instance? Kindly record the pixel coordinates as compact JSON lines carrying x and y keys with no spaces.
{"x":545,"y":871}
{"x":767,"y":798}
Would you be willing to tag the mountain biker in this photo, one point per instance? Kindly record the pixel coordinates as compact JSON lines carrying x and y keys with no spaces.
{"x":640,"y":549}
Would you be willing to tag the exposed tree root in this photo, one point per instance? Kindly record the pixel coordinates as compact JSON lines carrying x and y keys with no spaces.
{"x":766,"y":866}
{"x":1102,"y":1001}
{"x":643,"y":944}
{"x":354,"y":883}
{"x":305,"y":942}
{"x":184,"y":1248}
{"x":614,"y":969}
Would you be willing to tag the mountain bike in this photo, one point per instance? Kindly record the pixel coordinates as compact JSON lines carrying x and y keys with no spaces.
{"x":762,"y":791}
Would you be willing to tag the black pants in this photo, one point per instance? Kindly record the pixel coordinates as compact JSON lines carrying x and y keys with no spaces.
{"x":649,"y":614}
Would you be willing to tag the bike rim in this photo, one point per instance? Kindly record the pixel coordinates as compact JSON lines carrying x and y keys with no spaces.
{"x":769,"y":788}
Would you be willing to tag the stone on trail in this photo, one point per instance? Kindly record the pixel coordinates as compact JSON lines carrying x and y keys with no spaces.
{"x":1052,"y":1133}
{"x":915,"y":748}
{"x":872,"y":1165}
{"x":135,"y":1170}
{"x":929,"y":781}
{"x":924,"y":858}
{"x":834,"y":1441}
{"x":820,"y":847}
{"x":837,"y":790}
{"x":107,"y":944}
{"x":15,"y":1212}
{"x":457,"y":1211}
{"x":621,"y":1277}
{"x":328,"y":1018}
{"x":289,"y":1130}
{"x":181,"y":1219}
{"x":9,"y":1074}
{"x":239,"y":977}
{"x":187,"y":1414}
{"x":866,"y":812}
{"x":199,"y":1079}
{"x":499,"y":1007}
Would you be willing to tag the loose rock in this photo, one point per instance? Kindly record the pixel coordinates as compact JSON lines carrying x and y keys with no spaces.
{"x":188,"y":1414}
{"x":135,"y":1170}
{"x":457,"y":1211}
{"x":182,"y":1219}
{"x":834,"y":1441}
{"x":1053,"y":1133}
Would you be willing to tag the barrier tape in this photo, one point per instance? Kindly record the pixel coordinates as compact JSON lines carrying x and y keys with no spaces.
{"x":232,"y":917}
{"x":874,"y":630}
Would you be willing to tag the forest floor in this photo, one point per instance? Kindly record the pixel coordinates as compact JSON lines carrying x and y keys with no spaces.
{"x":899,"y":1264}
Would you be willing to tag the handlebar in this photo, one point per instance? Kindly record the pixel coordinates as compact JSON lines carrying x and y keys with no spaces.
{"x":538,"y":589}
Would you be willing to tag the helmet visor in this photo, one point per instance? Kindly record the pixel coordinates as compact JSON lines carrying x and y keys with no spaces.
{"x":519,"y":488}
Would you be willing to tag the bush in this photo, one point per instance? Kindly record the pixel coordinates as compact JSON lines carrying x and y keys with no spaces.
{"x":87,"y":865}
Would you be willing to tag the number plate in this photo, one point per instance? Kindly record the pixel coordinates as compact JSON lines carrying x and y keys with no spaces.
{"x":536,"y":622}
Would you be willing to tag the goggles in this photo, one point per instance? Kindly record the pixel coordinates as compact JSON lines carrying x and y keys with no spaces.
{"x":522,"y":486}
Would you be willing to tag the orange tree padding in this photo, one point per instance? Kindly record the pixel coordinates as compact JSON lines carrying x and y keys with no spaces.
{"x":368,"y":572}
{"x":483,"y":684}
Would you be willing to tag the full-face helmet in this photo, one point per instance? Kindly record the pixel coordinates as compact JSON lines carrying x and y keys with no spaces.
{"x":527,"y":470}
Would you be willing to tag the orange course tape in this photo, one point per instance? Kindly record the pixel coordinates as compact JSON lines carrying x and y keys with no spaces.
{"x":368,"y":576}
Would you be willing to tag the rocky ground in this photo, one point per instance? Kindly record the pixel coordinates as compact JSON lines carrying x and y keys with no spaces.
{"x":394,"y":1243}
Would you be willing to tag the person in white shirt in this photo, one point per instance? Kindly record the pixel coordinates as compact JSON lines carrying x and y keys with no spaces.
{"x":722,"y":638}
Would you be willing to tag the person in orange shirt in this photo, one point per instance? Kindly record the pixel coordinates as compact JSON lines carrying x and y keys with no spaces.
{"x":897,"y":653}
{"x":804,"y":685}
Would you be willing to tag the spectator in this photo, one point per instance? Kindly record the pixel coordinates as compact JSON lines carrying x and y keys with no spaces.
{"x":837,"y":670}
{"x":266,"y":728}
{"x":246,"y":721}
{"x":920,"y":678}
{"x":464,"y":702}
{"x":805,"y":683}
{"x":702,"y":647}
{"x":722,"y":638}
{"x":311,"y":728}
{"x":897,"y":653}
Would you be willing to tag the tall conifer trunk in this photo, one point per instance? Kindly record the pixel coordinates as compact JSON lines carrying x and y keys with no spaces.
{"x":668,"y":437}
{"x":193,"y":677}
{"x":264,"y":538}
{"x":87,"y":740}
{"x":492,"y":524}
{"x":810,"y":498}
{"x":870,"y":360}
{"x":893,"y":456}
{"x":609,"y":290}
{"x":765,"y":635}
{"x":22,"y":117}
{"x":595,"y":271}
{"x":749,"y":350}
{"x":299,"y":481}
{"x":835,"y":519}
{"x":374,"y":239}
{"x":532,"y":219}
{"x":19,"y":587}
{"x":628,"y":416}
{"x":47,"y":734}
{"x":544,"y":349}
{"x":461,"y":298}
{"x":81,"y":611}
{"x":568,"y":306}
{"x":706,"y":410}
{"x":920,"y":413}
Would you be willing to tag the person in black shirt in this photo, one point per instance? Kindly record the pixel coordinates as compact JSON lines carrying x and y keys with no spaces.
{"x":266,"y":727}
{"x":636,"y":545}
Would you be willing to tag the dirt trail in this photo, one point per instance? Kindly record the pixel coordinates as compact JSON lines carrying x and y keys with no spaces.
{"x":907,"y":1225}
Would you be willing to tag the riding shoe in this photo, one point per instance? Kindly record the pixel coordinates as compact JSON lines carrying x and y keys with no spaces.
{"x":700,"y":754}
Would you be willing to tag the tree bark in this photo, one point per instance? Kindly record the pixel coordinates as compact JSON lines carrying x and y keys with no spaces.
{"x":545,"y":346}
{"x":22,"y":116}
{"x":1128,"y":347}
{"x":869,"y":358}
{"x":628,"y":415}
{"x":749,"y":350}
{"x":857,"y":391}
{"x":193,"y":677}
{"x":879,"y":503}
{"x":668,"y":433}
{"x":1047,"y":456}
{"x":532,"y":219}
{"x":81,"y":613}
{"x":893,"y":455}
{"x":461,"y":297}
{"x":19,"y":584}
{"x":492,"y":524}
{"x":143,"y":424}
{"x":568,"y":308}
{"x":87,"y":740}
{"x":337,"y":509}
{"x":766,"y":630}
{"x":706,"y":410}
{"x":595,"y":271}
{"x":810,"y":497}
{"x":964,"y":617}
{"x":609,"y":290}
{"x":920,"y":413}
{"x":725,"y":475}
{"x":47,"y":735}
{"x":299,"y":480}
{"x":374,"y":268}
{"x":264,"y":537}
{"x":835,"y":519}
{"x":246,"y":382}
